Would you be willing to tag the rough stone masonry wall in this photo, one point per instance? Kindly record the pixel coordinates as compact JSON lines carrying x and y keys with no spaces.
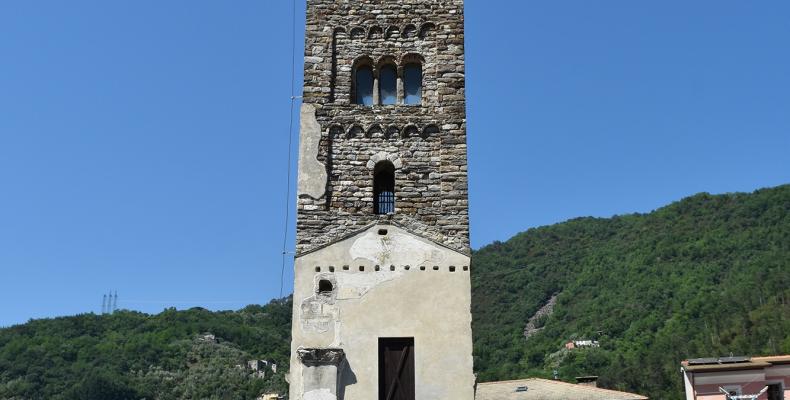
{"x":427,"y":142}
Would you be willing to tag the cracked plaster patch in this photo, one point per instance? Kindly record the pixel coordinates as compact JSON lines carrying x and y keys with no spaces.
{"x":312,"y":173}
{"x":354,"y":286}
{"x":378,"y":250}
{"x":316,"y":315}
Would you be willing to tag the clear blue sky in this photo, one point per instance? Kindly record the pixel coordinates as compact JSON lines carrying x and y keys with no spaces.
{"x":143,"y":144}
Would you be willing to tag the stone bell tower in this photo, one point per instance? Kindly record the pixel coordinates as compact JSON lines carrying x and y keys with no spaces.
{"x":381,"y":275}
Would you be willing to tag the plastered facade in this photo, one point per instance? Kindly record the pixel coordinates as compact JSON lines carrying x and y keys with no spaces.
{"x":359,"y":276}
{"x":392,"y":285}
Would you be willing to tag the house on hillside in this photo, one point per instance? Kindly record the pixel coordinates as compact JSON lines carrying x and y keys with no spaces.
{"x":576,"y":344}
{"x":258,"y":367}
{"x":544,"y":389}
{"x":705,"y":378}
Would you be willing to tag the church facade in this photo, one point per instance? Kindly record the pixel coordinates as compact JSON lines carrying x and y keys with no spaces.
{"x":382,"y":271}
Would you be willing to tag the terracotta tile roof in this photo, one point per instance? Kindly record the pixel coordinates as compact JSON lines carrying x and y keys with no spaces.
{"x":544,"y":389}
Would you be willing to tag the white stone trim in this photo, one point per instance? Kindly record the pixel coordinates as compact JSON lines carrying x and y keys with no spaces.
{"x":381,"y":156}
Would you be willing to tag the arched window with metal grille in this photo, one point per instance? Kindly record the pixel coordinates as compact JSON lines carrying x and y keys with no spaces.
{"x":384,"y":188}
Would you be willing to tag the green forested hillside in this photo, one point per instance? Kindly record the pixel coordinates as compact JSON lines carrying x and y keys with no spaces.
{"x":130,"y":355}
{"x":705,"y":276}
{"x":708,"y":275}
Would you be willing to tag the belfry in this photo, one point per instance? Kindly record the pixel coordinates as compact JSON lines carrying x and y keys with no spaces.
{"x":382,"y":271}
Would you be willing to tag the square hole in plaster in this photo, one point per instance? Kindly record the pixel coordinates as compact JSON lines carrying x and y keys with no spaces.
{"x":452,"y":268}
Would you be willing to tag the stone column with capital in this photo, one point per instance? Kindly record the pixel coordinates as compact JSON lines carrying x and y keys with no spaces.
{"x":320,"y":372}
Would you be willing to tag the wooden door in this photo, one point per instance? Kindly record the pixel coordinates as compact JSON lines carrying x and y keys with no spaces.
{"x":396,"y":368}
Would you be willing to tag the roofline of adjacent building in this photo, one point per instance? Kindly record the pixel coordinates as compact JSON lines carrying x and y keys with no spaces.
{"x":636,"y":396}
{"x":780,"y":359}
{"x":725,"y":367}
{"x":757,"y":362}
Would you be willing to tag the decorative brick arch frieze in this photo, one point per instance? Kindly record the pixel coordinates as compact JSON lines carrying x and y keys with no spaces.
{"x":425,"y":130}
{"x":421,"y":30}
{"x":357,"y":33}
{"x":409,"y":31}
{"x":375,"y":32}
